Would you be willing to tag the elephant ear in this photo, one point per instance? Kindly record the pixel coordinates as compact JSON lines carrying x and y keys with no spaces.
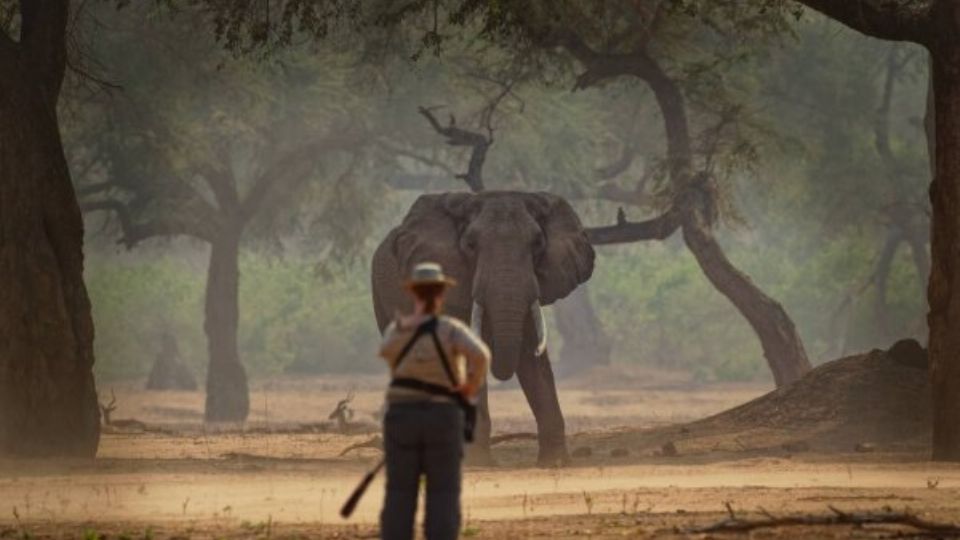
{"x":431,"y":232}
{"x":567,"y":260}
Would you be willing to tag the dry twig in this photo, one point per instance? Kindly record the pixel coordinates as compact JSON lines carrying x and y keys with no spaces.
{"x":734,"y":524}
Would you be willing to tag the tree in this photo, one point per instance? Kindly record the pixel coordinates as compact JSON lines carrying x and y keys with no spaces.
{"x":613,"y":40}
{"x":610,"y":40}
{"x":222,"y":162}
{"x":934,"y":24}
{"x":48,"y":401}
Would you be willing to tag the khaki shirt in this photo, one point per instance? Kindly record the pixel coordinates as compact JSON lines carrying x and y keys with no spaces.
{"x":422,"y":361}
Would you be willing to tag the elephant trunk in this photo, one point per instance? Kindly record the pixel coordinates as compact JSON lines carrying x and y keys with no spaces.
{"x":506,"y":337}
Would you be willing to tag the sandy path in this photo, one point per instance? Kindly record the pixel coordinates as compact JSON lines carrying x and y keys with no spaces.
{"x":313,"y":492}
{"x":202,"y":483}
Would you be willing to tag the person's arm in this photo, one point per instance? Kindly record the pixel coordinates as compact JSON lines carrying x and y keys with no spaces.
{"x":477,"y":355}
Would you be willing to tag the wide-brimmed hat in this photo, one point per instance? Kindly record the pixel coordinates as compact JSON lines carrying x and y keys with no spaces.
{"x":428,"y":273}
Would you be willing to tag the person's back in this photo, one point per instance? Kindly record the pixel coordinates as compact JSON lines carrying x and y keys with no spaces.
{"x":436,"y":362}
{"x":423,"y":361}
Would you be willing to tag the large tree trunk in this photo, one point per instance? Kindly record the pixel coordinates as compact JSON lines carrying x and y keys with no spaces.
{"x":228,"y":398}
{"x":584,"y":342}
{"x":944,"y":288}
{"x":48,"y":402}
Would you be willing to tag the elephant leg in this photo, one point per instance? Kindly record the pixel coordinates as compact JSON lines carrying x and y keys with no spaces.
{"x":536,"y":380}
{"x":478,"y":453}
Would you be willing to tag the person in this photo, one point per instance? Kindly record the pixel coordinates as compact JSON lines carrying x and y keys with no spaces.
{"x":436,"y":363}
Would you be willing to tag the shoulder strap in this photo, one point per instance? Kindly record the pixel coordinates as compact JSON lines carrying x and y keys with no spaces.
{"x":442,"y":354}
{"x":429,"y":325}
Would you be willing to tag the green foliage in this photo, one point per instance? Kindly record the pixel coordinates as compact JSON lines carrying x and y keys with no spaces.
{"x":292,"y":320}
{"x":135,"y":302}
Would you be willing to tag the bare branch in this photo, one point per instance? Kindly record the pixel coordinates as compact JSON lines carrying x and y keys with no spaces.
{"x":836,"y":517}
{"x":460,"y":137}
{"x":658,"y":228}
{"x":134,"y":232}
{"x":600,"y":67}
{"x":622,"y":163}
{"x":84,"y":74}
{"x":426,"y":160}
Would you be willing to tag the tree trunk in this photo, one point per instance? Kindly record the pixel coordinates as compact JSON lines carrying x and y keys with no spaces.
{"x":48,"y":401}
{"x":781,"y":344}
{"x":778,"y":337}
{"x":584,"y":342}
{"x":228,"y":398}
{"x":944,"y":288}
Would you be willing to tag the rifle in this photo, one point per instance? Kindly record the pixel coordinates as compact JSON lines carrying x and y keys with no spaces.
{"x":351,"y":504}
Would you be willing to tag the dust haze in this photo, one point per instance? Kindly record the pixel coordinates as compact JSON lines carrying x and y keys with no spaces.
{"x":748,"y":345}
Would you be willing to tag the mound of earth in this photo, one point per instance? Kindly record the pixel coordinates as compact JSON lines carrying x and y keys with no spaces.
{"x":877,"y":401}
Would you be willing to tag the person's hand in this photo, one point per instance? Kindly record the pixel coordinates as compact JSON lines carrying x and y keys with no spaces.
{"x":467,"y":390}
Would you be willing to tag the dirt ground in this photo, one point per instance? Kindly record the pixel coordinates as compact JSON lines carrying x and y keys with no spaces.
{"x":649,"y":472}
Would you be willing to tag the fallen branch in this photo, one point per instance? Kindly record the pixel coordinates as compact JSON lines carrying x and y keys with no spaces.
{"x":507,"y":437}
{"x":734,"y":524}
{"x":375,"y":443}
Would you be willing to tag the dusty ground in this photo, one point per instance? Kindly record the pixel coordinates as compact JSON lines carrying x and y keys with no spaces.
{"x":283,"y":475}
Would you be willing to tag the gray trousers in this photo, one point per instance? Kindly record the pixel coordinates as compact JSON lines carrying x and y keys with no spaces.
{"x":422,"y":438}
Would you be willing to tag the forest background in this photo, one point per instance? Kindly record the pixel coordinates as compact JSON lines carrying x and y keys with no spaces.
{"x":812,"y":211}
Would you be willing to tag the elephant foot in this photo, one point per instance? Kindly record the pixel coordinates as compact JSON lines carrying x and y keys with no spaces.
{"x":553,"y":456}
{"x":477,"y":456}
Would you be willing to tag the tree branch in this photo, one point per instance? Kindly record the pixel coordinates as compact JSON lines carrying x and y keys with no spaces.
{"x":658,"y":228}
{"x":837,"y":517}
{"x":93,"y":189}
{"x":288,"y":171}
{"x":618,"y":167}
{"x":460,"y":137}
{"x":134,"y":232}
{"x":908,"y":20}
{"x":600,"y":67}
{"x":426,"y":160}
{"x":222,"y":183}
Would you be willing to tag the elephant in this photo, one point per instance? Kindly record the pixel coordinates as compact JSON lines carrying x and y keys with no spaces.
{"x":511,"y":252}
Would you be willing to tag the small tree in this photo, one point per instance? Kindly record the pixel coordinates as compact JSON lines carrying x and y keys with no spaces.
{"x":220,"y":162}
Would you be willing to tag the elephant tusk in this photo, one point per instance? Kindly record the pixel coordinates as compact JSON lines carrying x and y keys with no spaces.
{"x":540,"y":326}
{"x":476,"y":319}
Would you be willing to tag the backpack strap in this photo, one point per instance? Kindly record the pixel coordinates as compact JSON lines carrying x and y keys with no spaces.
{"x":427,"y":326}
{"x":443,"y":356}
